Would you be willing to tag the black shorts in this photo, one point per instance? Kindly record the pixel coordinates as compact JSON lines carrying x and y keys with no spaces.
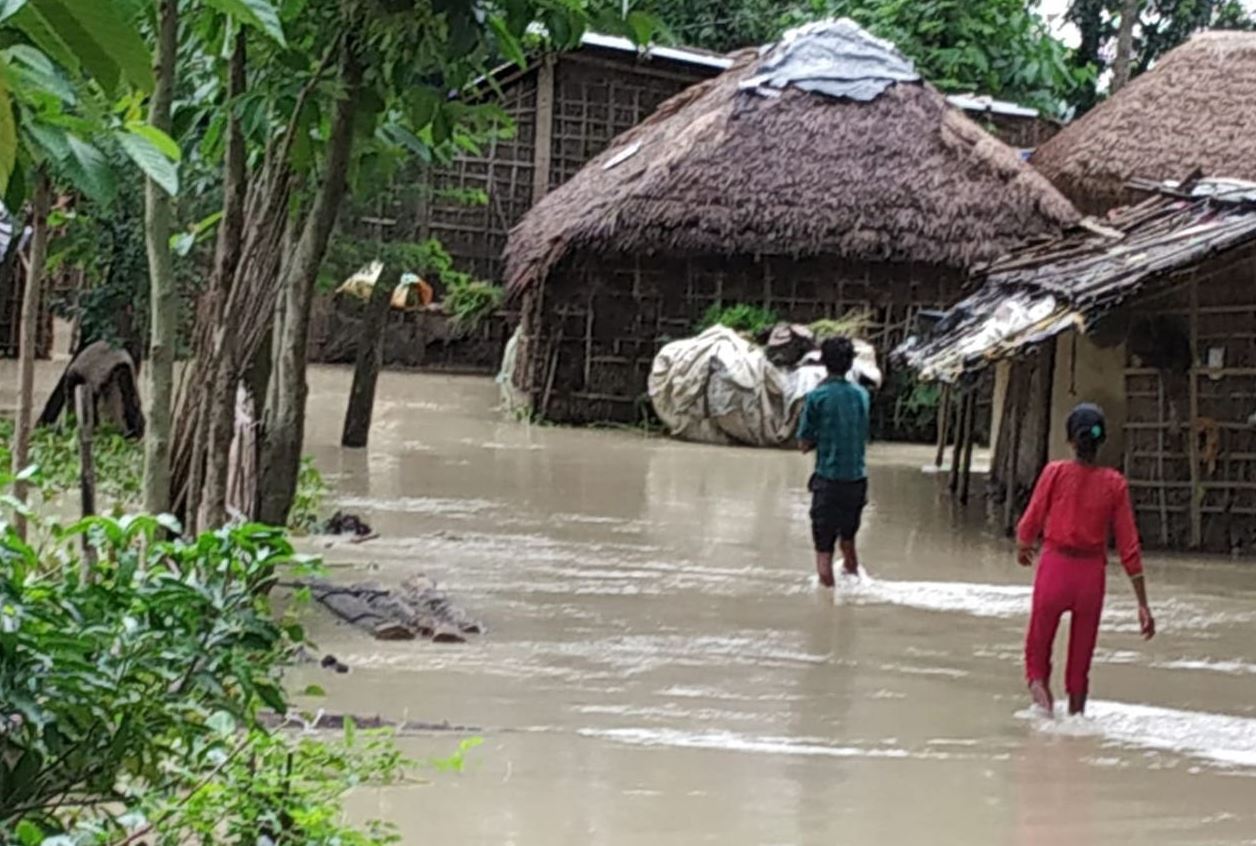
{"x":836,"y":510}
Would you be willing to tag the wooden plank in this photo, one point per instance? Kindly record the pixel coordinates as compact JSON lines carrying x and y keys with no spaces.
{"x":542,"y":154}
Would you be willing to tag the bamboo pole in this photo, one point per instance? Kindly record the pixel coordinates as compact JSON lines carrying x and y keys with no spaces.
{"x":1197,"y":529}
{"x":28,"y":337}
{"x":542,"y":154}
{"x":944,"y":425}
{"x":1164,"y":501}
{"x":970,"y":437}
{"x":961,"y":418}
{"x":85,"y":411}
{"x":1009,"y":483}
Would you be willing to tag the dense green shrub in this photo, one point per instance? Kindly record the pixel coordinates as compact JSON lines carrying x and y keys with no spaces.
{"x":132,"y":683}
{"x":740,"y":317}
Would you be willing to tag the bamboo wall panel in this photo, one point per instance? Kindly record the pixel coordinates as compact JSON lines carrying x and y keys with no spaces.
{"x":1192,"y":472}
{"x":594,"y":340}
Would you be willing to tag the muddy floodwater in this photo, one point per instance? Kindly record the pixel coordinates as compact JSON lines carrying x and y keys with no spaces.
{"x":660,"y":667}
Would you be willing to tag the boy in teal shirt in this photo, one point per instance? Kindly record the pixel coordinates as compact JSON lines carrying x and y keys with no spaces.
{"x":834,"y":424}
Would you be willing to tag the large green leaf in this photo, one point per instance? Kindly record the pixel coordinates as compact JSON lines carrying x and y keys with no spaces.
{"x":48,"y":141}
{"x":158,"y":139}
{"x":89,"y":170}
{"x":109,"y":46}
{"x":8,"y":136}
{"x":42,"y":35}
{"x":8,"y":8}
{"x":261,"y":14}
{"x":151,"y":159}
{"x":37,"y":74}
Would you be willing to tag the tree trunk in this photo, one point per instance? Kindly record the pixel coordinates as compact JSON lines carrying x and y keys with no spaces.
{"x":41,"y":202}
{"x":1125,"y":44}
{"x":158,"y":224}
{"x":222,"y":399}
{"x":285,"y":419}
{"x":370,"y":357}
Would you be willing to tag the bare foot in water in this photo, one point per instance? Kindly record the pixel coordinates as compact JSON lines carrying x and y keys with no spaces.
{"x":1041,"y":696}
{"x":824,"y":568}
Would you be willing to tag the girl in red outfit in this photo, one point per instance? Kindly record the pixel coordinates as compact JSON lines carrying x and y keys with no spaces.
{"x":1076,"y":507}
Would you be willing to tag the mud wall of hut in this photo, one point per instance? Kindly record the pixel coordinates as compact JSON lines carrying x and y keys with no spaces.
{"x":591,"y":332}
{"x":1191,"y":402}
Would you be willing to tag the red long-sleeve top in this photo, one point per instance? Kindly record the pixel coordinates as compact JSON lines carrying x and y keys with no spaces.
{"x":1076,"y":508}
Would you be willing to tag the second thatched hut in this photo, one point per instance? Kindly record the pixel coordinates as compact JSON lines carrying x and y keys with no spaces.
{"x":815,"y":177}
{"x":1194,"y":111}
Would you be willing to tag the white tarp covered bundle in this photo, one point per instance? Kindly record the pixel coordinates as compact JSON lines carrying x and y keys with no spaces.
{"x":719,"y":388}
{"x":837,"y":58}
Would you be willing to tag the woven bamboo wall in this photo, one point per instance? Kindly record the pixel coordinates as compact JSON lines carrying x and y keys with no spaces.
{"x":596,"y":96}
{"x":597,"y":99}
{"x":1191,"y":436}
{"x":593,"y":331}
{"x":476,"y":234}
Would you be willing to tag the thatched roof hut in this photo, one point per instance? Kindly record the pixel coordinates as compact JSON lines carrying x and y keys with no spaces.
{"x":1194,"y":110}
{"x":816,"y":177}
{"x":723,"y":169}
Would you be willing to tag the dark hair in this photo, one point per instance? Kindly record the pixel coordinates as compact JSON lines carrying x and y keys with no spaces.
{"x":1087,"y":430}
{"x":838,"y":354}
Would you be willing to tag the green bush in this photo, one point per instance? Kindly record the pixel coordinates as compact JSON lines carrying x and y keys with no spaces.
{"x":54,"y":450}
{"x":852,"y":324}
{"x":131,"y":689}
{"x":307,"y":503}
{"x":740,"y":317}
{"x":468,"y":301}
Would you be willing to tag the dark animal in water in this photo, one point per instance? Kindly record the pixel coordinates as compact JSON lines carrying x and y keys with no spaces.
{"x":110,"y":374}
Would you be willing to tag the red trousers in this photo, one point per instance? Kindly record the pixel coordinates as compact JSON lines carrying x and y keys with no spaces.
{"x":1065,"y":583}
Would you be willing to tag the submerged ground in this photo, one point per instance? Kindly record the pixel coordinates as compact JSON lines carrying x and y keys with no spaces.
{"x":661,"y":669}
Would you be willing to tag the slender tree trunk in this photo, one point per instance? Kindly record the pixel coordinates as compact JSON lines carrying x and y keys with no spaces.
{"x":158,"y":224}
{"x":370,"y":358}
{"x":222,"y":399}
{"x":41,"y":202}
{"x":1125,"y":44}
{"x":285,"y":426}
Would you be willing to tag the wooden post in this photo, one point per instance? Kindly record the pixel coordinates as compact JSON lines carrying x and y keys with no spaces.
{"x":944,"y":425}
{"x":1160,"y":448}
{"x":542,"y":154}
{"x":970,"y":437}
{"x":1015,"y":399}
{"x":555,"y":348}
{"x":588,"y":344}
{"x":961,"y":418}
{"x":1197,"y":529}
{"x":86,"y":412}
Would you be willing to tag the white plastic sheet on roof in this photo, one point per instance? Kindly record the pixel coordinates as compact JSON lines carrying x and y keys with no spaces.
{"x":833,"y":57}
